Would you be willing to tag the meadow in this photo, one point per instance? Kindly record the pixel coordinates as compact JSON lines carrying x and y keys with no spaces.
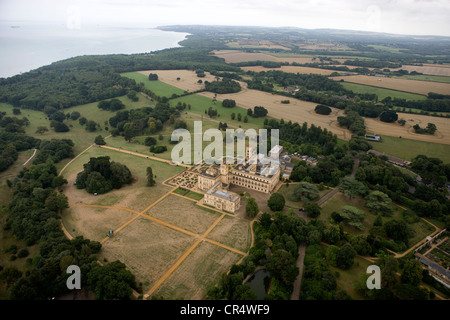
{"x":381,"y":92}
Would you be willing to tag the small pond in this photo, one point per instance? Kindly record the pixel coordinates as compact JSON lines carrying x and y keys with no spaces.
{"x":259,"y":283}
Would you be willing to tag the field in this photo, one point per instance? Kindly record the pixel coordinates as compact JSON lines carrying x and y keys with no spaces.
{"x":188,"y":78}
{"x":292,"y":69}
{"x":430,"y":69}
{"x":234,"y":56}
{"x":158,"y":87}
{"x":407,"y":149}
{"x":381,"y":92}
{"x":425,"y":77}
{"x":163,"y":238}
{"x":296,"y":111}
{"x":413,"y":86}
{"x":442,"y":135}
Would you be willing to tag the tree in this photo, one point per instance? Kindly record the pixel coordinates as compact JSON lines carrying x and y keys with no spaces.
{"x":282,"y":265}
{"x":352,"y":187}
{"x":389,"y":116}
{"x":332,"y":252}
{"x":379,"y":202}
{"x":412,"y":272}
{"x":111,"y":281}
{"x":251,"y":208}
{"x":75,"y":115}
{"x":228,"y":103}
{"x":41,"y":129}
{"x":397,"y":230}
{"x":322,"y":109}
{"x":276,"y":202}
{"x":152,"y":77}
{"x":59,"y":126}
{"x":91,"y":126}
{"x":345,"y":257}
{"x":96,"y":183}
{"x":305,"y":191}
{"x":16,"y":111}
{"x":10,"y":275}
{"x":99,"y":140}
{"x":82,"y":121}
{"x":312,"y":209}
{"x":132,"y":95}
{"x":150,"y":181}
{"x":389,"y":272}
{"x":353,"y":216}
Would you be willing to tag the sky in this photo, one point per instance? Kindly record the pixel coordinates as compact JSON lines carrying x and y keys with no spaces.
{"x":413,"y":17}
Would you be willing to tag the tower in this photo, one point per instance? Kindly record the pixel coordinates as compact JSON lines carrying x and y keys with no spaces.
{"x":224,"y":174}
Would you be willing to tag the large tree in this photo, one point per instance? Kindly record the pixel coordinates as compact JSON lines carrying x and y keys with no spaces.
{"x":353,"y":216}
{"x":412,"y":272}
{"x":276,"y":202}
{"x":305,"y":191}
{"x":251,"y":208}
{"x":379,"y":202}
{"x":345,"y":256}
{"x":352,"y":187}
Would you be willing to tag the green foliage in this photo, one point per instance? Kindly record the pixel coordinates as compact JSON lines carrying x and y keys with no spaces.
{"x":322,"y":109}
{"x":251,"y":207}
{"x":345,"y":256}
{"x":99,"y":140}
{"x":353,"y":216}
{"x":397,"y":230}
{"x":379,"y":203}
{"x":150,"y":181}
{"x":276,"y":202}
{"x":152,"y":77}
{"x":100,"y":176}
{"x":111,"y":281}
{"x":389,"y":116}
{"x":54,"y":149}
{"x":113,"y":104}
{"x":412,"y":272}
{"x":305,"y":191}
{"x":312,"y":209}
{"x":352,"y":187}
{"x":228,"y":103}
{"x":282,"y":265}
{"x":224,"y":86}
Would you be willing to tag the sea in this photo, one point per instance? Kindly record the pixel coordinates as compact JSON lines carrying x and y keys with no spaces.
{"x":27,"y":46}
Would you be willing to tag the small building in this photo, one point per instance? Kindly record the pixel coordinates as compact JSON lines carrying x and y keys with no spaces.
{"x":391,"y":159}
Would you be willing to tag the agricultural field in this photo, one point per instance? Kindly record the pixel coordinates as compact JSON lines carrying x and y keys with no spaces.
{"x":424,"y":77}
{"x":291,"y":69}
{"x":381,"y":92}
{"x":442,"y":135}
{"x":412,"y":86}
{"x":188,"y":78}
{"x":296,"y":111}
{"x":407,"y":149}
{"x":235,"y":56}
{"x":430,"y":69}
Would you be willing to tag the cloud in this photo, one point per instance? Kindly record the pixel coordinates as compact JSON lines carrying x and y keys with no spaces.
{"x":393,"y":16}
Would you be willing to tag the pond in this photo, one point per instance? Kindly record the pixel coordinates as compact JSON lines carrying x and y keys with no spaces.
{"x":259,"y":282}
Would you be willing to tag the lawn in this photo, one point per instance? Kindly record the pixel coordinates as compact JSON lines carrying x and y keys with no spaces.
{"x":408,"y":149}
{"x":158,"y":87}
{"x":286,"y":191}
{"x":381,"y":92}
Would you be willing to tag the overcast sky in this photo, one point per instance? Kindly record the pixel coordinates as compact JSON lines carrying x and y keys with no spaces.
{"x":417,"y":17}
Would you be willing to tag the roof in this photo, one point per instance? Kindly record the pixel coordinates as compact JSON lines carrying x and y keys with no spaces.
{"x":434,"y":266}
{"x":389,"y":157}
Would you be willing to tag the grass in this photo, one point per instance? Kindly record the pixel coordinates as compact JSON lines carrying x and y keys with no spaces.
{"x":287,"y":191}
{"x":78,"y":134}
{"x":426,"y":77}
{"x":381,"y":92}
{"x":158,"y":87}
{"x":408,"y":149}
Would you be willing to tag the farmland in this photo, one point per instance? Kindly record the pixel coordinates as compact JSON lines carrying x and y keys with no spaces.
{"x":412,"y":86}
{"x":381,"y":92}
{"x":429,"y":69}
{"x":292,"y":69}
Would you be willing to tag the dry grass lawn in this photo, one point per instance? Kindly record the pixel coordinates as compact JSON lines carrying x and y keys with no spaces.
{"x":233,"y":232}
{"x":94,"y":223}
{"x":183,"y":213}
{"x":414,"y":86}
{"x":147,"y":248}
{"x":188,"y":78}
{"x":203,"y":267}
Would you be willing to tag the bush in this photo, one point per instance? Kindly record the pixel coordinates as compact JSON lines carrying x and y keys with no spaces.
{"x":23,"y":253}
{"x":228,"y":103}
{"x":276,"y":202}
